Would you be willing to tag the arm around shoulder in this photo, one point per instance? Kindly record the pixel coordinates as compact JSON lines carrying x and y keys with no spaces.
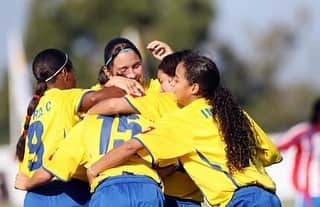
{"x":93,"y":97}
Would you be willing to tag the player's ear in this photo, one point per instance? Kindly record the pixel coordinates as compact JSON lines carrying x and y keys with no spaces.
{"x":195,"y":89}
{"x":65,"y":75}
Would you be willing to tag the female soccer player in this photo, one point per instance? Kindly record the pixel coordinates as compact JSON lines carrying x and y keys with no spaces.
{"x":132,"y":184}
{"x":179,"y":189}
{"x":123,"y":60}
{"x":97,"y":131}
{"x":222,"y":149}
{"x":117,"y":42}
{"x":51,"y":114}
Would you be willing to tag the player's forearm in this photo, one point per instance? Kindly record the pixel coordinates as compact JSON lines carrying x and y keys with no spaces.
{"x":112,"y":106}
{"x":38,"y":178}
{"x":93,"y":98}
{"x":115,"y":157}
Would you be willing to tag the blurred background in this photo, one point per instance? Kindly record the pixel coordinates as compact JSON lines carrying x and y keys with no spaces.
{"x":268,"y":53}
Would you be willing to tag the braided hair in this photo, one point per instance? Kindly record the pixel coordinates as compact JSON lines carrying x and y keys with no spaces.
{"x":45,"y":67}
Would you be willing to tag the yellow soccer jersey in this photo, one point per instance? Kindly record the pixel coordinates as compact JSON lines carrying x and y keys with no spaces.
{"x":191,"y":135}
{"x":52,"y":119}
{"x":153,"y":105}
{"x":151,"y":85}
{"x":91,"y":139}
{"x":96,"y":87}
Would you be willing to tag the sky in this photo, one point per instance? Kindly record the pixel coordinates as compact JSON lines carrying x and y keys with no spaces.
{"x":236,"y":23}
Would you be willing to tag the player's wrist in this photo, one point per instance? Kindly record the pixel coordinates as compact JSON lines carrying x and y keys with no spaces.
{"x":92,"y":172}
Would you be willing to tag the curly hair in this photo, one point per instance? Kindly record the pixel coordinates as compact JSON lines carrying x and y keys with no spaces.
{"x":233,"y":124}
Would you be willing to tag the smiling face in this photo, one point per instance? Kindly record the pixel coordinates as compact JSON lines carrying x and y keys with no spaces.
{"x":183,"y":91}
{"x":129,"y":65}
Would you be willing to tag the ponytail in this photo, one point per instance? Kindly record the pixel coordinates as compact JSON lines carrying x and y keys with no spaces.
{"x":41,"y":87}
{"x":102,"y":77}
{"x":235,"y":128}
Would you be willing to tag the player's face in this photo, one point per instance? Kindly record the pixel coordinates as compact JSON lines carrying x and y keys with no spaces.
{"x":182,"y":89}
{"x":129,"y":65}
{"x":165,"y":81}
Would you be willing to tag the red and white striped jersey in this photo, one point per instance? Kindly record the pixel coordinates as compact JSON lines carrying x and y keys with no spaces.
{"x":306,"y":166}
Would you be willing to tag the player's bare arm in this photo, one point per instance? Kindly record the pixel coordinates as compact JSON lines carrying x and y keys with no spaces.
{"x":112,"y":106}
{"x":23,"y":182}
{"x":115,"y":157}
{"x":94,"y":97}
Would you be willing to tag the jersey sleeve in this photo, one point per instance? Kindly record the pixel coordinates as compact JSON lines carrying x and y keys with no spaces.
{"x":168,"y":139}
{"x":153,"y":105}
{"x":64,"y":163}
{"x":267,"y":151}
{"x":73,"y":99}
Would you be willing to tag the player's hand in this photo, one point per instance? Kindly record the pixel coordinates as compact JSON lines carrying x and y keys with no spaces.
{"x":130,"y":86}
{"x":159,"y":49}
{"x":21,"y":181}
{"x":91,"y":176}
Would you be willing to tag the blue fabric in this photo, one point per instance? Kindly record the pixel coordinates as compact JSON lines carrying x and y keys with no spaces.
{"x":127,"y":191}
{"x":301,"y":201}
{"x":177,"y":202}
{"x":254,"y":196}
{"x":74,"y":193}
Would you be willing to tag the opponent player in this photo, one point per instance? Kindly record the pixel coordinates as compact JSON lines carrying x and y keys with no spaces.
{"x":51,"y":114}
{"x":220,"y":146}
{"x":304,"y":138}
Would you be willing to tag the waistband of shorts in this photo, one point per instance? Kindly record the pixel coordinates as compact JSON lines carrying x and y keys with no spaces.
{"x":127,"y":177}
{"x":257,"y":186}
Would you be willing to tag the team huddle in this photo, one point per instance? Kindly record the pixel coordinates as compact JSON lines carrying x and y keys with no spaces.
{"x":180,"y":140}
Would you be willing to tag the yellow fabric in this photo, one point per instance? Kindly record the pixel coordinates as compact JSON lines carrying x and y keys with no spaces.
{"x":191,"y":130}
{"x":153,"y":105}
{"x":180,"y":185}
{"x":54,"y":116}
{"x":151,"y":85}
{"x":96,"y":87}
{"x":86,"y":144}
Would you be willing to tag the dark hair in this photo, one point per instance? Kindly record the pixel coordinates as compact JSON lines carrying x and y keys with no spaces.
{"x":45,"y":67}
{"x":111,"y":50}
{"x":169,"y":63}
{"x":233,"y":124}
{"x":315,"y":114}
